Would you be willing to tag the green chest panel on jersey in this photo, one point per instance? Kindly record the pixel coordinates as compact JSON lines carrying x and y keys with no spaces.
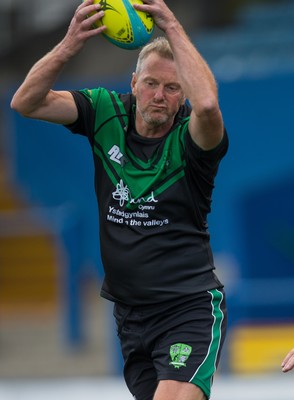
{"x":135,"y":180}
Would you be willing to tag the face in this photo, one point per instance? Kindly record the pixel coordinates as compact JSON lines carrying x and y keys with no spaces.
{"x":158,"y":92}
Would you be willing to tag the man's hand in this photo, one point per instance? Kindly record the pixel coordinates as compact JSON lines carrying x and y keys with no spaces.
{"x":82,"y":26}
{"x":162,"y":15}
{"x":288,"y":362}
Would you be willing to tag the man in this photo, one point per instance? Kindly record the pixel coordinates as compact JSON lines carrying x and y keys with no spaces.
{"x":288,"y":362}
{"x":156,"y":158}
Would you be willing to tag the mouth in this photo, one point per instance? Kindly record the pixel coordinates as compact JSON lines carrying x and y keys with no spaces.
{"x":158,"y":107}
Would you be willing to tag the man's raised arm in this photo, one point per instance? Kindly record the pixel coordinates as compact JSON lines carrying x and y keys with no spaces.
{"x":35,"y":98}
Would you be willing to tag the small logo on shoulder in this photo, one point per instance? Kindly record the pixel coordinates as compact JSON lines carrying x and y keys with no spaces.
{"x":179,"y":354}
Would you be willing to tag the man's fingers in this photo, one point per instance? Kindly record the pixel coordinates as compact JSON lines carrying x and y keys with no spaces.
{"x":83,"y":10}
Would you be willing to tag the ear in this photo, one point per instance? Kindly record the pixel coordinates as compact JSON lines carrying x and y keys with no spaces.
{"x":183,"y":99}
{"x":133,"y":83}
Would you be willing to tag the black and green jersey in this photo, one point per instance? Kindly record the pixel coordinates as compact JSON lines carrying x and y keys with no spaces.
{"x":153,"y":196}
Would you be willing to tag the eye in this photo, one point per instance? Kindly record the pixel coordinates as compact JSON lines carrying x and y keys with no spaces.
{"x":151,"y":84}
{"x":172,"y":89}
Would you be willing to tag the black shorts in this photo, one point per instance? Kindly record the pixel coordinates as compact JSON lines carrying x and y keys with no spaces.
{"x":178,"y":340}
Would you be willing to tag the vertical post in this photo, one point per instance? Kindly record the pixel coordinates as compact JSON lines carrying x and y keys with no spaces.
{"x":71,"y":276}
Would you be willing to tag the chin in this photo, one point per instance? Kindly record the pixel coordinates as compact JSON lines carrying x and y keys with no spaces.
{"x":156,"y":120}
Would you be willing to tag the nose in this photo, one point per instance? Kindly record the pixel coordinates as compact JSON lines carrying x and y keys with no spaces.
{"x":159,"y":93}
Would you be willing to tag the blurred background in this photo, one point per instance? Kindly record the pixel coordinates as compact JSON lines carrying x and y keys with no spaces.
{"x":53,"y":324}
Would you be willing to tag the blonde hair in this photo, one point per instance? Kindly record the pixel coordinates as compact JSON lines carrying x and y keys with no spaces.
{"x":160,"y":46}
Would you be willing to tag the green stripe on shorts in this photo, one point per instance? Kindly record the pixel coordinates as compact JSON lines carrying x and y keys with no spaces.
{"x":204,"y":374}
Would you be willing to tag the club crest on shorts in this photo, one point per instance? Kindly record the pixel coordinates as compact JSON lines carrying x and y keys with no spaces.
{"x":179,"y":354}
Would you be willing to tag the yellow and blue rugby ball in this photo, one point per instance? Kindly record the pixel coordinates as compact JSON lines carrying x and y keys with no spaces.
{"x":126,"y":27}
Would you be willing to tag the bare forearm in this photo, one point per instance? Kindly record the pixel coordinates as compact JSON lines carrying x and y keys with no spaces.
{"x":199,"y":86}
{"x":196,"y":78}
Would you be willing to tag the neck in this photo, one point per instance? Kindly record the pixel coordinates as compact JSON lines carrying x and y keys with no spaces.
{"x":152,"y":132}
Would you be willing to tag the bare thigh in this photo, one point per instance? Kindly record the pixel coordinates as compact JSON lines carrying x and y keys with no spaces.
{"x":174,"y":390}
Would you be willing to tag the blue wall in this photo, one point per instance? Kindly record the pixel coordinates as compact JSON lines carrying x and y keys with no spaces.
{"x":258,"y":117}
{"x":253,"y":217}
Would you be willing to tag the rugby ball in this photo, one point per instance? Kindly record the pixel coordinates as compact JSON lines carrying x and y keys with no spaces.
{"x":126,"y":27}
